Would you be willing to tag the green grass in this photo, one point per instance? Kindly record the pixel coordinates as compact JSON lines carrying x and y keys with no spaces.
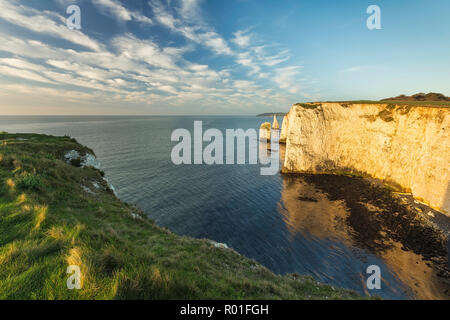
{"x":266,"y":125}
{"x":395,"y":102}
{"x":48,"y":221}
{"x":309,"y":105}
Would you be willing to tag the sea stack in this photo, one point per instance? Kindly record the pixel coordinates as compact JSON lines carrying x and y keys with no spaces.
{"x":275,"y":124}
{"x":264,"y":132}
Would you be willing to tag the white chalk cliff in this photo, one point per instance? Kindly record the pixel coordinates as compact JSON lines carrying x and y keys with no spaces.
{"x":405,"y":146}
{"x":284,"y":129}
{"x":275,"y":124}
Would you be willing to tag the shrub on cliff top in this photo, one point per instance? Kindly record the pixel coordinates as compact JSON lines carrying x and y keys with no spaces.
{"x":28,"y":181}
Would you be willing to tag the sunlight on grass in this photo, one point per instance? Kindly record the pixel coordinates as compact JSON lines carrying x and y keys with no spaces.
{"x":10,"y":251}
{"x":57,"y":233}
{"x":22,"y":198}
{"x":74,"y":257}
{"x":10,"y":183}
{"x":17,"y":165}
{"x":160,"y":279}
{"x":41,"y":214}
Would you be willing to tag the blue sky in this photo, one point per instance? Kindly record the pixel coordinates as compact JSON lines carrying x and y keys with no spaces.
{"x":216,"y":56}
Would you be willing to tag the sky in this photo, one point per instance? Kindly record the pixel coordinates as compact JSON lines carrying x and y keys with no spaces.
{"x":216,"y":57}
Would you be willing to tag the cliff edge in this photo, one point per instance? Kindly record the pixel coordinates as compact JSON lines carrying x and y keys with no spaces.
{"x":406,"y":146}
{"x":57,"y":210}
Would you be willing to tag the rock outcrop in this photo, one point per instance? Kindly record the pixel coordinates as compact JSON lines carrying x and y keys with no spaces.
{"x":75,"y":158}
{"x":405,"y":146}
{"x":264,"y":131}
{"x":275,"y":124}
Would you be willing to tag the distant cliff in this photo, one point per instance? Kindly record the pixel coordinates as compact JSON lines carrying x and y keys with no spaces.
{"x":405,"y":146}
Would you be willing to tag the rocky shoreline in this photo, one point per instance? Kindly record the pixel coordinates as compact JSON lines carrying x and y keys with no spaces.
{"x":380,"y":217}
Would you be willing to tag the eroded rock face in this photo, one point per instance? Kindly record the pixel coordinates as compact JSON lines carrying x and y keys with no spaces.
{"x":88,"y":160}
{"x":284,"y":129}
{"x":405,"y":146}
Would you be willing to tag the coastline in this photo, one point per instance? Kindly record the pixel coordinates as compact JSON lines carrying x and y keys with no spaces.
{"x":51,"y":221}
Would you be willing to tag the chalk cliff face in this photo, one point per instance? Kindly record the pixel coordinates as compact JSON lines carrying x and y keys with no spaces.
{"x":405,"y":146}
{"x":284,"y":129}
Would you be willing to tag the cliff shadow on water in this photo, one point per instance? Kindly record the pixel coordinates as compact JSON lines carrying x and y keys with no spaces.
{"x":364,"y":214}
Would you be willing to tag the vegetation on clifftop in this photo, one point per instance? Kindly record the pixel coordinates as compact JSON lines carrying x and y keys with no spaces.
{"x":271,"y":114}
{"x":53,"y":214}
{"x":432,"y":96}
{"x":405,"y":102}
{"x":266,"y":125}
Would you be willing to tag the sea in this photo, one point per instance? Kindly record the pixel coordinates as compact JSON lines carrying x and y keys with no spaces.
{"x":262,"y":217}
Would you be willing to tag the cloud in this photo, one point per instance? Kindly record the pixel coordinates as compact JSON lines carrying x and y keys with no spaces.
{"x":23,"y":74}
{"x":115,"y":8}
{"x":288,"y":78}
{"x":126,"y":68}
{"x":242,"y":38}
{"x":20,"y":64}
{"x":259,"y":59}
{"x":356,"y":69}
{"x":190,"y":9}
{"x":147,"y":51}
{"x":44,"y":22}
{"x":190,"y":25}
{"x":133,"y":71}
{"x":276,"y":59}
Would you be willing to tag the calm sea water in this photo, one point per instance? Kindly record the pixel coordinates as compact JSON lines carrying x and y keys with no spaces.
{"x":260,"y":217}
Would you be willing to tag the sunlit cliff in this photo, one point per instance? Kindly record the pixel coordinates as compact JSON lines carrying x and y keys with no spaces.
{"x":405,"y":146}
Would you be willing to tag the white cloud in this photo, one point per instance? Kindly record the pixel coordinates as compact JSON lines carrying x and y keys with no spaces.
{"x":356,"y":69}
{"x":288,"y":78}
{"x":261,"y":62}
{"x":23,"y":74}
{"x":115,"y":8}
{"x":190,"y":26}
{"x":242,"y":38}
{"x":20,"y":64}
{"x":190,"y":9}
{"x":142,"y":71}
{"x":276,"y":59}
{"x":44,"y":22}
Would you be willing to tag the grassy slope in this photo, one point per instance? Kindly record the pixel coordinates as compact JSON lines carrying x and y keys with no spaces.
{"x":48,"y":221}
